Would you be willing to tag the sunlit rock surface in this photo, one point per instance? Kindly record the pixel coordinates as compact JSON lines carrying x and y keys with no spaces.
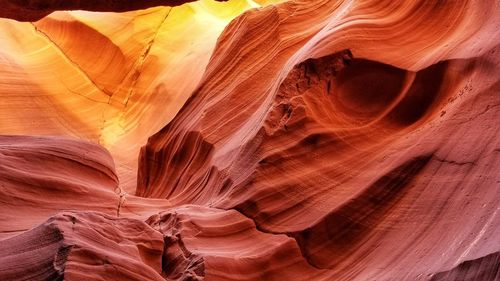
{"x":250,"y":140}
{"x":112,"y":78}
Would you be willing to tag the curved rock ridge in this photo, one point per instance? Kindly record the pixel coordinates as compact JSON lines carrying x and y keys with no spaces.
{"x":83,"y":246}
{"x":216,"y":244}
{"x":311,"y":140}
{"x":112,"y":78}
{"x":484,"y":268}
{"x":41,"y":176}
{"x":349,"y":147}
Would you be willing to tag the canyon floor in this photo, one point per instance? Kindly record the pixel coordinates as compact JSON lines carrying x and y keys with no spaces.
{"x":250,"y":140}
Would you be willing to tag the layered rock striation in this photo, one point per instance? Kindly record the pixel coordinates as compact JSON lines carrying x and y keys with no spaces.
{"x":320,"y":140}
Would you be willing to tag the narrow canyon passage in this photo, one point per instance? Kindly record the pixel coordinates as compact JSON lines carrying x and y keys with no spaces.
{"x":250,"y":140}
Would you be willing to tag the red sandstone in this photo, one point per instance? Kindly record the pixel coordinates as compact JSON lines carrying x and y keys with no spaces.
{"x":313,"y":140}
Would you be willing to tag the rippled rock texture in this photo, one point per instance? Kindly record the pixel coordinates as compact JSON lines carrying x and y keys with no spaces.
{"x":250,"y":140}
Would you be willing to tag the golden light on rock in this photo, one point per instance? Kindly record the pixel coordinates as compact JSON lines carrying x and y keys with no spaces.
{"x":111,"y":78}
{"x":249,"y":140}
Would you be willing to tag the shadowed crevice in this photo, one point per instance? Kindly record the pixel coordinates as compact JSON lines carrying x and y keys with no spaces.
{"x":483,"y":268}
{"x":33,"y":10}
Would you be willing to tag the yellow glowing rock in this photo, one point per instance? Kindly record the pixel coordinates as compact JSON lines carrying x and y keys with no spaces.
{"x":112,"y":78}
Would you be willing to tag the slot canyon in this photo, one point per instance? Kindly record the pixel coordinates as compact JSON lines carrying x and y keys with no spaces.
{"x":250,"y":140}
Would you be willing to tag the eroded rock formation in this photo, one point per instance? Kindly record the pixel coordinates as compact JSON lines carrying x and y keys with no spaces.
{"x":84,"y":246}
{"x":305,"y":140}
